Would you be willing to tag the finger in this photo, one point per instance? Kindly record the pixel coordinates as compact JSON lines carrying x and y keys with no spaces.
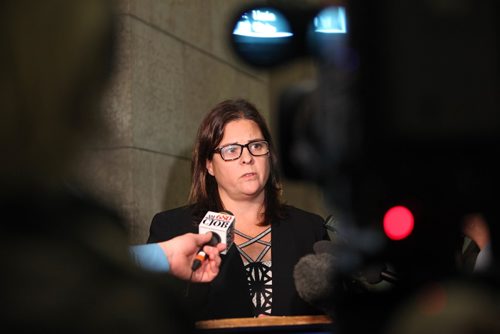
{"x":216,"y":259}
{"x":214,"y":266}
{"x":209,"y":250}
{"x":212,"y":251}
{"x":209,"y":271}
{"x":200,"y":275}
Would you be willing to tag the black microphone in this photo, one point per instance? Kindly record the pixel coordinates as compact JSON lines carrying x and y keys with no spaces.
{"x":324,"y":246}
{"x":315,"y":275}
{"x":372,"y":274}
{"x":321,"y":277}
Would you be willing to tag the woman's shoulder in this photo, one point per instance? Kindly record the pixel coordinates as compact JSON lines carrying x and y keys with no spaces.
{"x":304,"y":223}
{"x":171,"y":223}
{"x":299,"y":216}
{"x":182,"y":213}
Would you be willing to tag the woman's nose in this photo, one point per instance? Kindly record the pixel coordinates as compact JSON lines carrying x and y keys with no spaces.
{"x":246,"y":156}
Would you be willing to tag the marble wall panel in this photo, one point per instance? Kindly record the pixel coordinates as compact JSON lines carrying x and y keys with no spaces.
{"x":137,"y":184}
{"x":170,"y":72}
{"x":204,"y":24}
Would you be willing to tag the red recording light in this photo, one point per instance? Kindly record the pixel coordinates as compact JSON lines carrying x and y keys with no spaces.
{"x":398,"y":222}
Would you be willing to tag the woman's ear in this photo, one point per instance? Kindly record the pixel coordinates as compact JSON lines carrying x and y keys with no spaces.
{"x":209,"y":166}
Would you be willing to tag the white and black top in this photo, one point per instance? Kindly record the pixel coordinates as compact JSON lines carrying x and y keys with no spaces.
{"x":259,"y":273}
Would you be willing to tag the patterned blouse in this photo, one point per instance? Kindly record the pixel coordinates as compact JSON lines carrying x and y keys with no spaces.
{"x":259,"y":273}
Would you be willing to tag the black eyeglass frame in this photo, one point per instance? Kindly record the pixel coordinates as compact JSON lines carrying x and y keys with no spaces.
{"x":219,"y":149}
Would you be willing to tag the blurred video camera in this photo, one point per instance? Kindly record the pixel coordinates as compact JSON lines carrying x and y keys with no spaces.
{"x":404,"y":111}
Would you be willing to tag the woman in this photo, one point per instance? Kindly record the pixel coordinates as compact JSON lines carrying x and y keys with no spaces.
{"x":234,"y":168}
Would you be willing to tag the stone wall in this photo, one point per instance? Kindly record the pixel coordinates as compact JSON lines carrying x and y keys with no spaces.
{"x":173,"y":65}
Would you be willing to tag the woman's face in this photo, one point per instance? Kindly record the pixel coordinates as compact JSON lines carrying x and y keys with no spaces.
{"x":245,"y":177}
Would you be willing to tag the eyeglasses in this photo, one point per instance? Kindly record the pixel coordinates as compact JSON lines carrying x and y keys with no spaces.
{"x":234,"y":151}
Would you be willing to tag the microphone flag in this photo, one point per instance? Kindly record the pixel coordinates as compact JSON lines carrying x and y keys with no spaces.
{"x":220,"y":223}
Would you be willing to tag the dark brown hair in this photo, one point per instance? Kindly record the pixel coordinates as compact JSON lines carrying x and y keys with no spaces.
{"x":204,"y":193}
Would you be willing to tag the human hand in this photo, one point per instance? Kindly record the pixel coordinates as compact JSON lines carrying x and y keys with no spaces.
{"x":181,"y":250}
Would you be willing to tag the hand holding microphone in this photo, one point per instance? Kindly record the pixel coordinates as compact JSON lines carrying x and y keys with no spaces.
{"x":202,"y":255}
{"x":196,"y":257}
{"x":181,"y":250}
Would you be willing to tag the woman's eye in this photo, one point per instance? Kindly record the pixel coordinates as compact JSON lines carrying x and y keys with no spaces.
{"x":257,"y":146}
{"x":231,"y":149}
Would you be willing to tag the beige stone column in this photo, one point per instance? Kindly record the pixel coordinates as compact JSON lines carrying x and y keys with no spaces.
{"x":173,"y":65}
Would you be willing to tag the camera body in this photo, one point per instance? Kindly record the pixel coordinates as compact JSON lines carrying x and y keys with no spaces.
{"x":404,"y":112}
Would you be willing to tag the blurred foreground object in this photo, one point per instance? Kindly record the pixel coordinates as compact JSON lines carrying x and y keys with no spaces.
{"x":64,"y":256}
{"x":403,"y":114}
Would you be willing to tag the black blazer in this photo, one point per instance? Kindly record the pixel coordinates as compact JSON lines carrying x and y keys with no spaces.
{"x":227,"y":296}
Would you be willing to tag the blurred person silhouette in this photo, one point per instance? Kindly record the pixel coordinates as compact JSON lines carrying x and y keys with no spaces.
{"x":462,"y":303}
{"x":448,"y":307}
{"x":64,"y":256}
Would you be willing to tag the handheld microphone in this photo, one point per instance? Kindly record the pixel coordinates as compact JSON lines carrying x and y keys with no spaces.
{"x":373,"y":273}
{"x":314,"y":277}
{"x":221,"y":224}
{"x":321,"y":277}
{"x":201,"y":255}
{"x":324,"y":246}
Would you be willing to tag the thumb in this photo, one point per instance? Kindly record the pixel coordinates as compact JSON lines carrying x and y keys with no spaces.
{"x":202,"y":239}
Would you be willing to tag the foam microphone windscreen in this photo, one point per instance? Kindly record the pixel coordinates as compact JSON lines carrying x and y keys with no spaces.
{"x":324,"y":246}
{"x":314,"y":279}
